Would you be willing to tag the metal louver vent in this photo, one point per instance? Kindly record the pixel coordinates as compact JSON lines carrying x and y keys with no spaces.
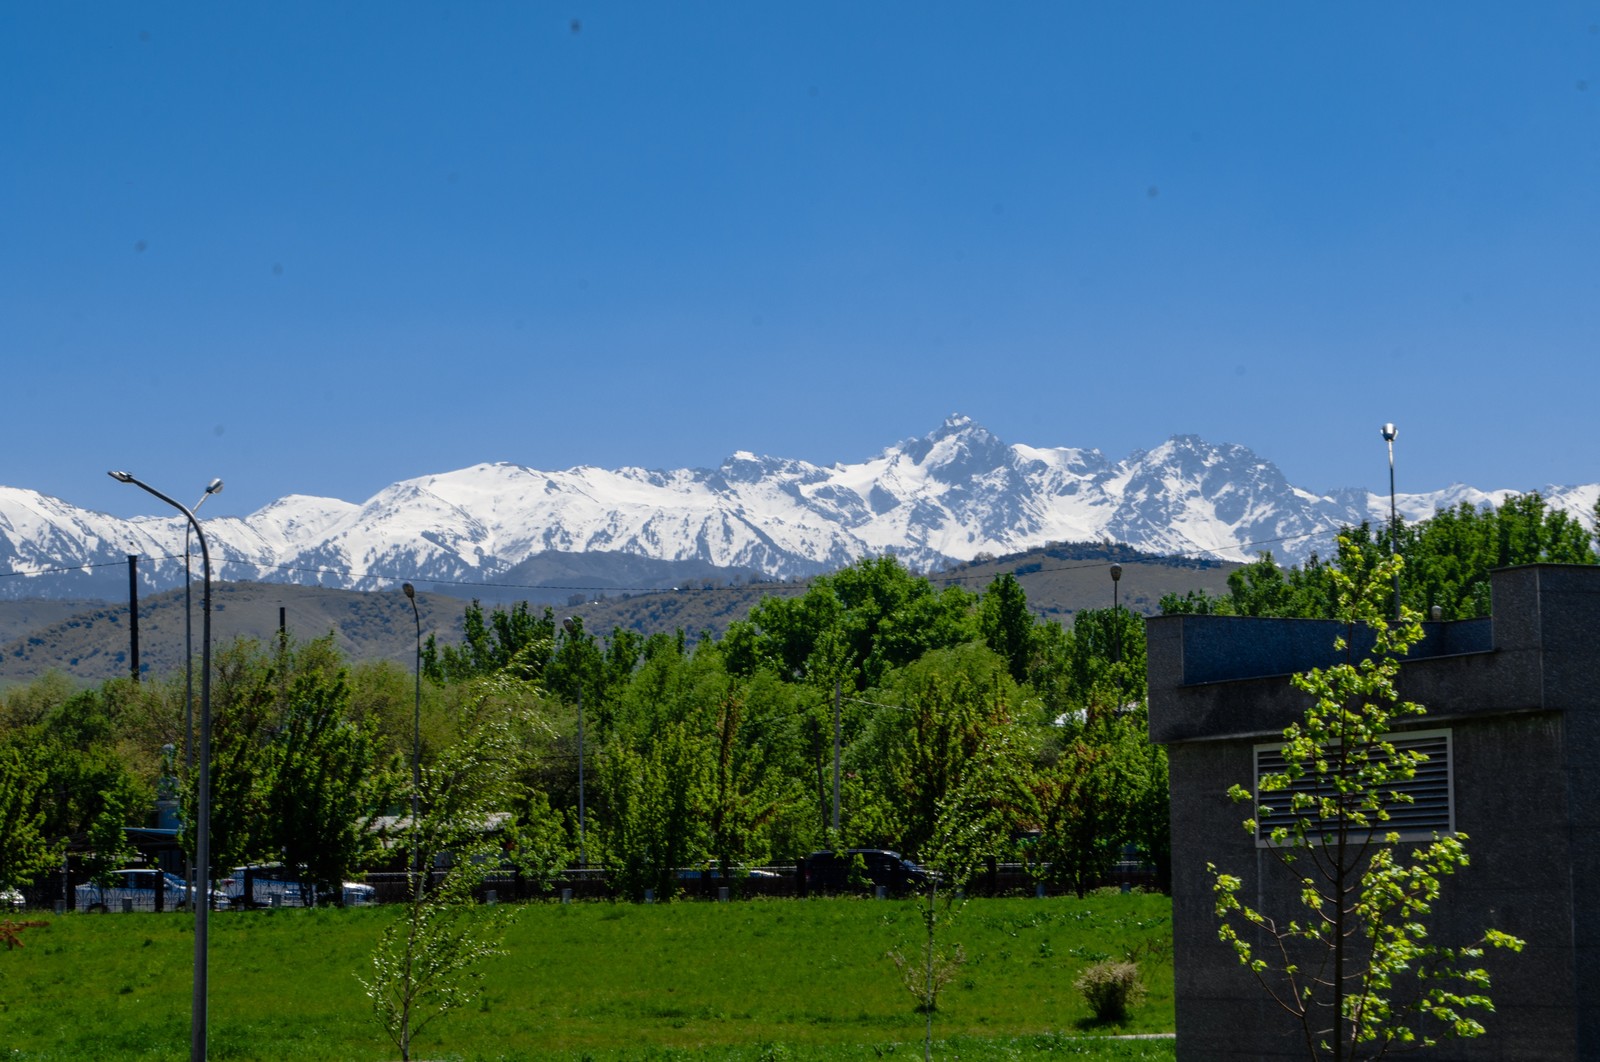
{"x":1430,"y":810}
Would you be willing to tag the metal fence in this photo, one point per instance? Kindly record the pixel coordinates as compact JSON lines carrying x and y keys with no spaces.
{"x":778,"y":880}
{"x":593,"y":883}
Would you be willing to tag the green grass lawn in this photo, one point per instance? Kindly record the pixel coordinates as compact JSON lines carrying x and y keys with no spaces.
{"x":781,"y":979}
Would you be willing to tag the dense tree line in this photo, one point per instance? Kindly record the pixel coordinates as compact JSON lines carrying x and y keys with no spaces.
{"x":697,"y":752}
{"x":1447,"y":560}
{"x":694,"y":751}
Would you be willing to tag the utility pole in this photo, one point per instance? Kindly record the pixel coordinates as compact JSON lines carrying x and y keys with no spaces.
{"x":133,"y":614}
{"x":574,"y":628}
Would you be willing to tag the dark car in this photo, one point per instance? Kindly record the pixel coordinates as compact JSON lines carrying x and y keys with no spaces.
{"x":860,"y":869}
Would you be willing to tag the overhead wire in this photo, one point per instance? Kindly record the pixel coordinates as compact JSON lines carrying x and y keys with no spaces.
{"x":69,"y":568}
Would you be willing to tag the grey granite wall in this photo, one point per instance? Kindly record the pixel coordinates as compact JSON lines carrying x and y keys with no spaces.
{"x":1521,"y":696}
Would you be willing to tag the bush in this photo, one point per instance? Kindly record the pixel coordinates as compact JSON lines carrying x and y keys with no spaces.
{"x":1111,"y":989}
{"x":925,"y":975}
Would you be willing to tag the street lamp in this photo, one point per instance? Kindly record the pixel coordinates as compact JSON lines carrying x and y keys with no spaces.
{"x":1116,"y":628}
{"x":416,"y":725}
{"x":1389,"y":432}
{"x":214,"y":487}
{"x":202,"y":825}
{"x":570,"y":625}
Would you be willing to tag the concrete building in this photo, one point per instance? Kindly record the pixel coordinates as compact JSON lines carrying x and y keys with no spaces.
{"x":1513,"y":708}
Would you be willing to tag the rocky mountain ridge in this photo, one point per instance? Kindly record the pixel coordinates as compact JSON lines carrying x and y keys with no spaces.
{"x":936,"y":500}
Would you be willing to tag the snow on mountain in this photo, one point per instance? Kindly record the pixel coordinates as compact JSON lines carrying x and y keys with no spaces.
{"x":934,"y":500}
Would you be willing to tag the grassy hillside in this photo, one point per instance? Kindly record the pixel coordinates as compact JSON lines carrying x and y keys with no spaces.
{"x":784,"y":979}
{"x":90,"y":641}
{"x":20,"y":618}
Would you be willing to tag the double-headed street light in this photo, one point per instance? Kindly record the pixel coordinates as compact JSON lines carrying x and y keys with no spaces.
{"x":202,"y":825}
{"x":214,"y":487}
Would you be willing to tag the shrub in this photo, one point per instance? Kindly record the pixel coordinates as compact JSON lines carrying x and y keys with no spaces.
{"x":925,"y":975}
{"x":1111,"y":989}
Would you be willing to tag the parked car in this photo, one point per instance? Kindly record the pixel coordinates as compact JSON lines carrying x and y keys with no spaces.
{"x":137,"y":886}
{"x":11,"y":899}
{"x":270,"y":886}
{"x":358,"y":894}
{"x":856,"y":869}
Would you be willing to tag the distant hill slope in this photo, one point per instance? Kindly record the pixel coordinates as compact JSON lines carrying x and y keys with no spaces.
{"x":22,"y":617}
{"x":93,"y":643}
{"x":1059,"y":580}
{"x":89,"y":641}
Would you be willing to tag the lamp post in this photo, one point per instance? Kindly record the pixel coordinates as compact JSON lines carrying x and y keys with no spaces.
{"x":202,"y":825}
{"x":1389,"y":432}
{"x":570,"y":625}
{"x":416,"y":726}
{"x":214,"y":487}
{"x":1116,"y":628}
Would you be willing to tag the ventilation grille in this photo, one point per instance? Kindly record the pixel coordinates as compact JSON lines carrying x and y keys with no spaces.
{"x":1430,"y":810}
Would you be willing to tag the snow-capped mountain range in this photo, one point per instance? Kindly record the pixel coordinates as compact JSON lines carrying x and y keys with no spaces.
{"x":932,"y":501}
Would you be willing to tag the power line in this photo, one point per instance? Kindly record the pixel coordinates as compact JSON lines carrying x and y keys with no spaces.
{"x":71,"y":568}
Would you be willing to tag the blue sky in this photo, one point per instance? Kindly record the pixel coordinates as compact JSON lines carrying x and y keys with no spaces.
{"x":316,"y":248}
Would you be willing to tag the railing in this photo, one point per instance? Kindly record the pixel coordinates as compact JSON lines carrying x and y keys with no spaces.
{"x":592,"y":883}
{"x":779,"y":880}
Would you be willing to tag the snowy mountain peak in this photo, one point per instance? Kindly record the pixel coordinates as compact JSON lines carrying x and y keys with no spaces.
{"x":933,"y":500}
{"x":958,"y":451}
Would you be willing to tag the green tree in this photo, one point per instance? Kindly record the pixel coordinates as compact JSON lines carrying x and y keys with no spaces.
{"x":956,"y":704}
{"x":1088,"y":799}
{"x":658,"y":800}
{"x":772,"y":767}
{"x":324,"y":785}
{"x":1104,"y":661}
{"x":29,"y":704}
{"x":1355,"y":970}
{"x":1259,"y":589}
{"x":491,"y":643}
{"x":382,"y":697}
{"x":1262,"y":588}
{"x":1049,"y":672}
{"x":1150,"y":811}
{"x":973,"y":822}
{"x":884,"y":616}
{"x":88,"y":793}
{"x":428,"y":960}
{"x":106,"y":838}
{"x":693,"y":770}
{"x":538,"y":842}
{"x":743,"y":796}
{"x":1007,"y":625}
{"x":244,"y":699}
{"x":24,"y":851}
{"x":1448,"y":558}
